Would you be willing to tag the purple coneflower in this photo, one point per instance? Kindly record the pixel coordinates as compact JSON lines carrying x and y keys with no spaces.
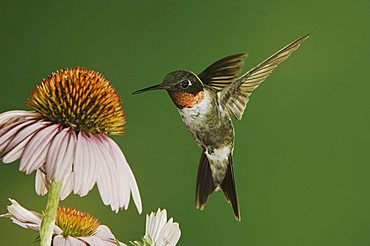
{"x":72,"y":227}
{"x":65,"y":138}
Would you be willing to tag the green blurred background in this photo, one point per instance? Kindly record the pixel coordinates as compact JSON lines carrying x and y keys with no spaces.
{"x":302,"y":148}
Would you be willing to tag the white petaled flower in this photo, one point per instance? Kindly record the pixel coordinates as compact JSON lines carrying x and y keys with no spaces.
{"x":72,"y":227}
{"x":159,"y":231}
{"x":65,"y":138}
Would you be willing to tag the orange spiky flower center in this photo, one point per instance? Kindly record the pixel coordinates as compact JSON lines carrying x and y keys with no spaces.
{"x":75,"y":223}
{"x":81,"y":99}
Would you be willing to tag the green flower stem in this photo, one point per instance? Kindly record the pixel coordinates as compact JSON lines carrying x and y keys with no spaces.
{"x":48,"y":220}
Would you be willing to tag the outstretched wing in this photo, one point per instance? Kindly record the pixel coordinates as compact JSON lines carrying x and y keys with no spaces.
{"x":237,"y":94}
{"x":222,"y":72}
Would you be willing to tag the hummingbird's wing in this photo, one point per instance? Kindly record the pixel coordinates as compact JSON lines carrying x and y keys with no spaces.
{"x":222,"y":72}
{"x":236,"y":95}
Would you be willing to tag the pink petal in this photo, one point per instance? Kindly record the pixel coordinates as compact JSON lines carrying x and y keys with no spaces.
{"x":59,"y":240}
{"x":10,"y":129}
{"x":154,"y":223}
{"x":104,"y":233}
{"x":67,"y":186}
{"x":170,"y":234}
{"x":80,"y":159}
{"x":122,"y":163}
{"x":25,"y":132}
{"x":115,"y":243}
{"x":15,"y":115}
{"x":85,"y":165}
{"x":161,"y":231}
{"x":34,"y":155}
{"x":40,"y":183}
{"x":91,"y":170}
{"x":26,"y":219}
{"x":106,"y":180}
{"x":92,"y":240}
{"x":6,"y":128}
{"x":121,"y":191}
{"x":60,"y":155}
{"x":133,"y":185}
{"x":16,"y":153}
{"x":123,"y":178}
{"x":123,"y":186}
{"x":9,"y":133}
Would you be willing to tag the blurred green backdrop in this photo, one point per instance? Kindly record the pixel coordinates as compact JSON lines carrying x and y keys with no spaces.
{"x":302,"y":148}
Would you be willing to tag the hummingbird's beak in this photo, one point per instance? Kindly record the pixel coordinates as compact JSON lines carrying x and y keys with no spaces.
{"x":150,"y":88}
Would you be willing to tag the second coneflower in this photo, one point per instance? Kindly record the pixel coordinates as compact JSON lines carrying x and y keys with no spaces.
{"x":72,"y":227}
{"x":65,"y":139}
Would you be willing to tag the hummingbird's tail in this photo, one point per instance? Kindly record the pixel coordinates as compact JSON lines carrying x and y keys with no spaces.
{"x":228,"y":186}
{"x":205,"y":185}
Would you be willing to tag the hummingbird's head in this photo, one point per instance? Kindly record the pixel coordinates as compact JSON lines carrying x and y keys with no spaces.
{"x":182,"y":81}
{"x":184,"y":87}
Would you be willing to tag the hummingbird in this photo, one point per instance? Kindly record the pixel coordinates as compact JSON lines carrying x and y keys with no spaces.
{"x":207,"y":102}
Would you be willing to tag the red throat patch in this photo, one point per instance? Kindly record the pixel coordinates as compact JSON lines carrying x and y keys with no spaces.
{"x":186,"y":100}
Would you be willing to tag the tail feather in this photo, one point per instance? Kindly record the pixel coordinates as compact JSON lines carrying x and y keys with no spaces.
{"x":228,"y":186}
{"x":205,"y":185}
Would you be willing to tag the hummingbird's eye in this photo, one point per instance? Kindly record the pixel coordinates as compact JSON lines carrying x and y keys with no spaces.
{"x":185,"y":84}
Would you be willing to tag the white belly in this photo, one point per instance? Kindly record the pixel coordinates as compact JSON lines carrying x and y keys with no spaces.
{"x":218,"y":161}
